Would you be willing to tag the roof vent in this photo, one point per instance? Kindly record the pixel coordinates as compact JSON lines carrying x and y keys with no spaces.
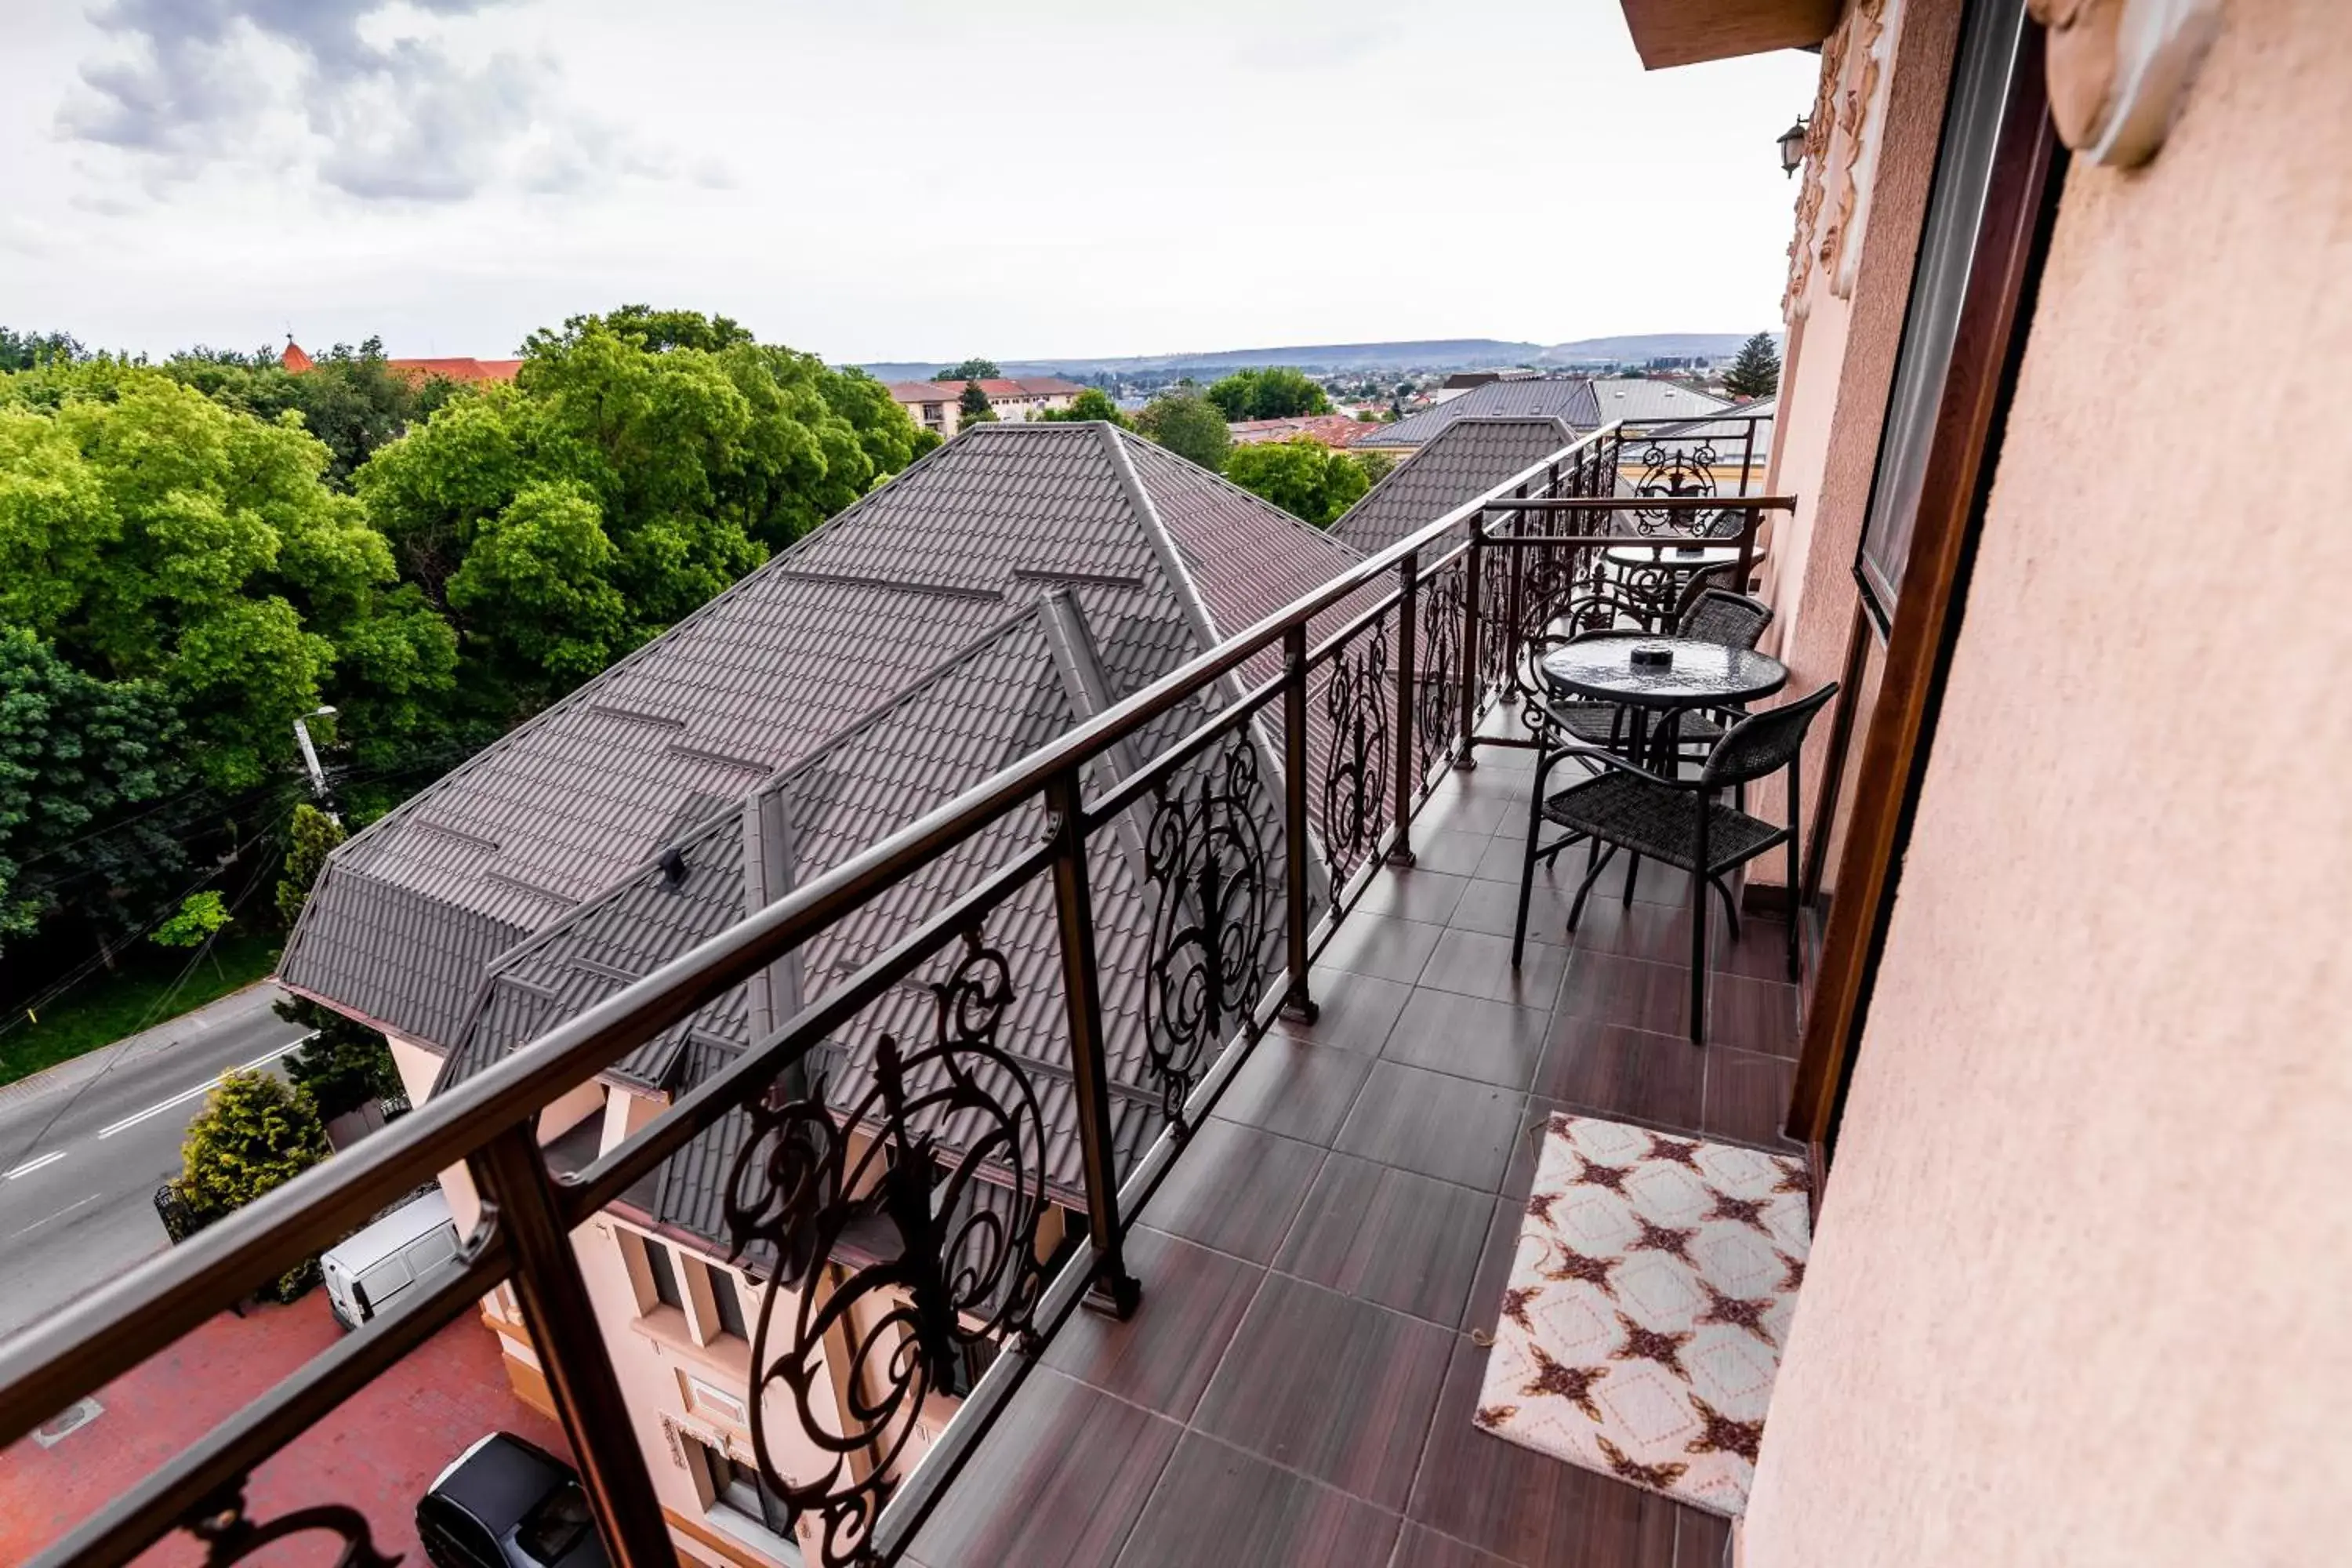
{"x":673,"y":869}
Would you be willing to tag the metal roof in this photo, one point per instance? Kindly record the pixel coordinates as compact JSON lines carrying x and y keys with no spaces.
{"x":979,"y":604}
{"x":1467,"y":458}
{"x":1566,"y":398}
{"x":1640,"y":400}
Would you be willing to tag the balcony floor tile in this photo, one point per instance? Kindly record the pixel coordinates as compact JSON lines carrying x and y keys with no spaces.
{"x":1493,"y":1042}
{"x":1454,"y":1129}
{"x":1218,"y":1507}
{"x":1236,"y":1188}
{"x":1296,"y":1090}
{"x":1630,"y":1074}
{"x":1382,"y":1235}
{"x":1161,"y":1357}
{"x":1474,"y":964}
{"x":1058,"y":1484}
{"x":1338,"y":1389}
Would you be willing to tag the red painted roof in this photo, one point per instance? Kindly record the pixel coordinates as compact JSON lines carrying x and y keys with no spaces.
{"x":460,"y":368}
{"x":1329,"y":429}
{"x":294,"y":359}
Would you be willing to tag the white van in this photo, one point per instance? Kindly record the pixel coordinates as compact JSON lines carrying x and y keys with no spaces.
{"x":365,"y":1273}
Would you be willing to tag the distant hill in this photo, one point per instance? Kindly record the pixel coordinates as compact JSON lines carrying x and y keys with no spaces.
{"x":1642,"y":346}
{"x":1434,"y":354}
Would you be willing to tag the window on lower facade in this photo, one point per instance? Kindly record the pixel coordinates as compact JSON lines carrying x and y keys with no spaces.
{"x":664,"y":1273}
{"x":727,"y":1304}
{"x":737,"y":1485}
{"x":973,"y":1362}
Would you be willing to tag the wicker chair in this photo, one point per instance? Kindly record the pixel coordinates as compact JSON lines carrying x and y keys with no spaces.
{"x":1680,"y":822}
{"x":1710,"y":616}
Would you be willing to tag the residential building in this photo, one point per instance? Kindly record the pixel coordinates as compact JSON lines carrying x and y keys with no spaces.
{"x":459,"y":369}
{"x":1005,"y":591}
{"x":1338,"y":430}
{"x":1584,"y":403}
{"x":1462,"y":381}
{"x":2059,"y":1087}
{"x":934,"y":404}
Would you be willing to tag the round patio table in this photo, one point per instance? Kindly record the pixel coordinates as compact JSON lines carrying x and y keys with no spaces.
{"x":1702,"y":674}
{"x":1679,"y":557}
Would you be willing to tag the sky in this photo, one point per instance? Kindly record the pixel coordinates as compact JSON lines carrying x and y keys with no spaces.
{"x":881,"y":179}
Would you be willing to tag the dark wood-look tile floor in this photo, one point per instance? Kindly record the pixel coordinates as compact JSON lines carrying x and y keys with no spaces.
{"x":1295,"y":1388}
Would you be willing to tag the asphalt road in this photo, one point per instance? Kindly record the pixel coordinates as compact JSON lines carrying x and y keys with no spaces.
{"x":84,"y":1145}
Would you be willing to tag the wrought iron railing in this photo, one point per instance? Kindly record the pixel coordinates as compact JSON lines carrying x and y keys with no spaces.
{"x":894,"y":1104}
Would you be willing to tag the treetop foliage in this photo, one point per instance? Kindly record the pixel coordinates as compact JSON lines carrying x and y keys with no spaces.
{"x":254,"y":1135}
{"x":194,"y":554}
{"x":1275,"y":392}
{"x":1188,"y":424}
{"x":1306,"y":478}
{"x":1093,"y":403}
{"x":1756,"y":372}
{"x":971,"y":370}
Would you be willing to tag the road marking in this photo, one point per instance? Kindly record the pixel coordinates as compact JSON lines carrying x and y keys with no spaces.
{"x":135,"y":1117}
{"x":29,"y":1166}
{"x":59,"y":1215}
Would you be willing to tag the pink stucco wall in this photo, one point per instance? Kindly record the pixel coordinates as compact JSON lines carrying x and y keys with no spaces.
{"x":1834,"y":394}
{"x":2079,"y":1293}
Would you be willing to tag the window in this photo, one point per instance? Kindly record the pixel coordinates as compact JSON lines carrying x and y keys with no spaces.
{"x":727,"y":1304}
{"x":665,"y":1275}
{"x":972,"y":1362}
{"x":738,"y":1487}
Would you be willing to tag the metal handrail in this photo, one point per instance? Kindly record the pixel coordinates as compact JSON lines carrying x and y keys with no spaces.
{"x":487,"y":1118}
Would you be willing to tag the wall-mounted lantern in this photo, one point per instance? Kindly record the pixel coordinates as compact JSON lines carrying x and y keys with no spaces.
{"x":1792,"y":148}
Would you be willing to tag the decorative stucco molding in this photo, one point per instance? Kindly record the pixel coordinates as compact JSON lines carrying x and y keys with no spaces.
{"x":2120,"y":69}
{"x":1842,"y":153}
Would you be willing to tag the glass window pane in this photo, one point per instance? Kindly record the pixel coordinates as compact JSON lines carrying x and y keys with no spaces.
{"x":728,"y":1304}
{"x":665,"y":1275}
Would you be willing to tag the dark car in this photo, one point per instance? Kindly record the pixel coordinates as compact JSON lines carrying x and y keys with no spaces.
{"x":507,"y":1503}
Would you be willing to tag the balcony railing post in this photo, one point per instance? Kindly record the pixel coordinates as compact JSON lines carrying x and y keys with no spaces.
{"x":1300,"y":1002}
{"x":1407,"y":688}
{"x":1514,"y":612}
{"x":1114,"y":1287}
{"x":1473,"y":569}
{"x":1752,"y":519}
{"x":562,"y":1324}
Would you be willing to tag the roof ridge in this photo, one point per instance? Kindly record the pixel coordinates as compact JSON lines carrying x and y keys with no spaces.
{"x":1297,"y":524}
{"x":1163,"y":545}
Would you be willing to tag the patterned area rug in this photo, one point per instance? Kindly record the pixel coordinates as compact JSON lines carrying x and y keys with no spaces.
{"x":1647,"y":1306}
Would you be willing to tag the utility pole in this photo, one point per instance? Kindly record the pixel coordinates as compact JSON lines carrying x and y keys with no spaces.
{"x":311,"y":756}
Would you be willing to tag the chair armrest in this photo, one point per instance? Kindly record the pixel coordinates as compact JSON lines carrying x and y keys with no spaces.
{"x":1609,"y":759}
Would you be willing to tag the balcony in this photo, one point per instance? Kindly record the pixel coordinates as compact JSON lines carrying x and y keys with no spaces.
{"x":1297,"y":1385}
{"x":1177,"y":1072}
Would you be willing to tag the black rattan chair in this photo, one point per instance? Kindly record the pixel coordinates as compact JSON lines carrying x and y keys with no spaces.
{"x":1680,"y":822}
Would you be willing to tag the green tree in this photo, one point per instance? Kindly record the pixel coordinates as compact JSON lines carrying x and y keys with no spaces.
{"x":23,"y":351}
{"x":629,"y":476}
{"x":76,"y":754}
{"x":312,"y":837}
{"x":1756,"y":372}
{"x":1275,"y":392}
{"x":151,"y":533}
{"x":971,"y":370}
{"x":972,"y":406}
{"x":255,"y":1134}
{"x":1093,"y":403}
{"x":344,"y":1065}
{"x":201,"y":917}
{"x":1303,"y":478}
{"x":1188,"y":424}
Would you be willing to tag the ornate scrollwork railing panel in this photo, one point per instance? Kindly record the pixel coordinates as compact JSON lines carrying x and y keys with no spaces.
{"x":1435,"y":711}
{"x":1355,"y":794}
{"x":1677,"y":466}
{"x":230,"y":1536}
{"x":966,"y":1271}
{"x":1216,"y":919}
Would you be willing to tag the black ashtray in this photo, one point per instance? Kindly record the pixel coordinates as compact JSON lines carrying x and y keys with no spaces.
{"x":1653,"y":657}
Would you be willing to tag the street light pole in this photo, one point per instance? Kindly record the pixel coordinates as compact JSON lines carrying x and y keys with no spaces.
{"x":311,"y":752}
